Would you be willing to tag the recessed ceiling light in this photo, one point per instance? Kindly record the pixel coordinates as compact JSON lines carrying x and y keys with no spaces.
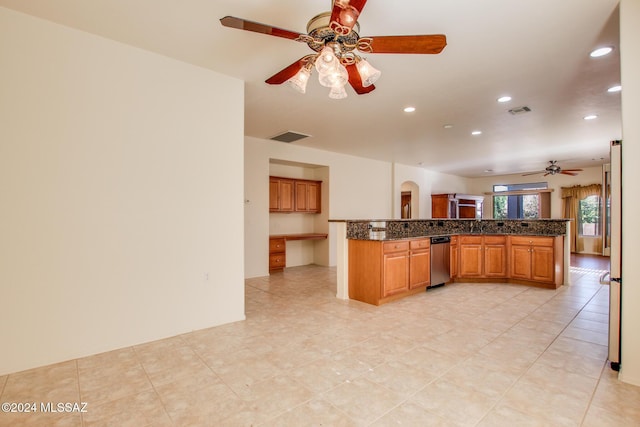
{"x":601,"y":51}
{"x":504,"y":99}
{"x":615,"y":89}
{"x":447,"y":126}
{"x":409,"y":109}
{"x":476,"y":132}
{"x":590,"y":117}
{"x":488,"y":170}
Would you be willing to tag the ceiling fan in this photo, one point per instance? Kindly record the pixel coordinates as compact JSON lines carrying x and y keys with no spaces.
{"x":553,"y":169}
{"x":334,"y":37}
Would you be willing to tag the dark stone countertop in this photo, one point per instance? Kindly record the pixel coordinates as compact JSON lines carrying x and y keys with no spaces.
{"x":396,"y":229}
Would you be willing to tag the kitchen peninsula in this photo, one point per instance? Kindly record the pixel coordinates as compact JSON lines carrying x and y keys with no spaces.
{"x":383,"y":260}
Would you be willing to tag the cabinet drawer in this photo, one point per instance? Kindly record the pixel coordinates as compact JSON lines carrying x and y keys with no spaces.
{"x":470,"y":240}
{"x":420,"y":244}
{"x":454,"y":240}
{"x":396,"y":246}
{"x":276,"y":245}
{"x":277,"y":261}
{"x":532,"y":240}
{"x":495,"y":240}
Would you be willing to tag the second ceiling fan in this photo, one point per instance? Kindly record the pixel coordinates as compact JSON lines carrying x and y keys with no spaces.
{"x":334,"y":37}
{"x":553,"y":169}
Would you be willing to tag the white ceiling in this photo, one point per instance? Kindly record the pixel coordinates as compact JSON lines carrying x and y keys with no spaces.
{"x":536,"y":51}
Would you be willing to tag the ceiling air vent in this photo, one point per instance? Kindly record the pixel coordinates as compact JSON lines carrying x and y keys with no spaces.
{"x":520,"y":110}
{"x":289,"y":136}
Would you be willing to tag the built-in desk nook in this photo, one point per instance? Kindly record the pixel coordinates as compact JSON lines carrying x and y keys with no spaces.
{"x":278,"y":247}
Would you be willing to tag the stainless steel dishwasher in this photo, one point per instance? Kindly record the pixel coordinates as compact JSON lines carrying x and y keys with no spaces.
{"x":440,"y":258}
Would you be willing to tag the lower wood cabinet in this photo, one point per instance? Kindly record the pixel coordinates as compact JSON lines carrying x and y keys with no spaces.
{"x":382,"y":271}
{"x":395,"y":268}
{"x":454,"y":256}
{"x":534,"y":260}
{"x":277,"y":254}
{"x":537,"y":259}
{"x":483,"y":256}
{"x":419,"y":263}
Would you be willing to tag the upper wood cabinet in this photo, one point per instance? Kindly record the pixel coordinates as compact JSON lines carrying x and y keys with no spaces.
{"x":307,"y":196}
{"x":281,"y":192}
{"x":294,"y":195}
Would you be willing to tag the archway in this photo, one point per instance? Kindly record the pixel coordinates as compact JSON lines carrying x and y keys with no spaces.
{"x":409,"y":200}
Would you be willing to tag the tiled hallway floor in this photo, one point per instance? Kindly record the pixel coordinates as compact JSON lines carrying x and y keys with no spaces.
{"x":461,"y":355}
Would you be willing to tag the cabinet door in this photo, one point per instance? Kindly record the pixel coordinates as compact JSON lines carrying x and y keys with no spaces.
{"x":542,"y":264}
{"x":520,"y":262}
{"x":301,"y":197}
{"x":453,"y":261}
{"x":470,"y":260}
{"x":495,"y":260}
{"x":313,"y":197}
{"x":285,"y":198}
{"x":419,"y":268}
{"x":274,"y":195}
{"x":439,"y":206}
{"x":395,"y":275}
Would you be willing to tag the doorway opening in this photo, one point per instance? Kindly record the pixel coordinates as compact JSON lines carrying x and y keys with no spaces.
{"x":409,"y":200}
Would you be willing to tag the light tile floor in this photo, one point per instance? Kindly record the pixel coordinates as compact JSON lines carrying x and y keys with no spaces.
{"x":461,"y":355}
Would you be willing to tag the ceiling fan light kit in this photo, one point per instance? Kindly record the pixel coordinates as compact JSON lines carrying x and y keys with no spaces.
{"x":334,"y":36}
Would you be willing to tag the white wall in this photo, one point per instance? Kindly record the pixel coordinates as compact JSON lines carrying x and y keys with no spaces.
{"x":429,"y":183}
{"x":630,"y":70}
{"x":121,"y":182}
{"x":554,"y":182}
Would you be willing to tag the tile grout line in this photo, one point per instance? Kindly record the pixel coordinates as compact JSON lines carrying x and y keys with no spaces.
{"x":155,"y":391}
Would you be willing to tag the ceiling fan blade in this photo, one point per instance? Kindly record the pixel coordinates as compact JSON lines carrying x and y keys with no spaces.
{"x":356,"y":81}
{"x":256,"y":27}
{"x":532,"y":173}
{"x":344,"y":15}
{"x":572,"y":170}
{"x":286,"y":73}
{"x":429,"y":44}
{"x":566,"y":172}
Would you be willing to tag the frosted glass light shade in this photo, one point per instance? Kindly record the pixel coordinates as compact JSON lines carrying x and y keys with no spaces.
{"x":368,"y":74}
{"x":300,"y":80}
{"x":338,"y":92}
{"x":326,"y":61}
{"x":337,"y":77}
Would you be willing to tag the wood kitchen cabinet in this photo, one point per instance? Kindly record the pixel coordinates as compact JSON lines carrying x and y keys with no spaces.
{"x":381,"y":271}
{"x":277,"y":254}
{"x":294,"y":195}
{"x":419,"y":263}
{"x":281,"y":194}
{"x":537,"y":259}
{"x":482,"y":256}
{"x":395,"y":268}
{"x":307,"y":196}
{"x":454,"y":256}
{"x":456,"y":206}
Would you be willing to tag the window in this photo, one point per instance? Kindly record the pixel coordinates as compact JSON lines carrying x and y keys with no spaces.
{"x":524,"y":205}
{"x":589,"y":216}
